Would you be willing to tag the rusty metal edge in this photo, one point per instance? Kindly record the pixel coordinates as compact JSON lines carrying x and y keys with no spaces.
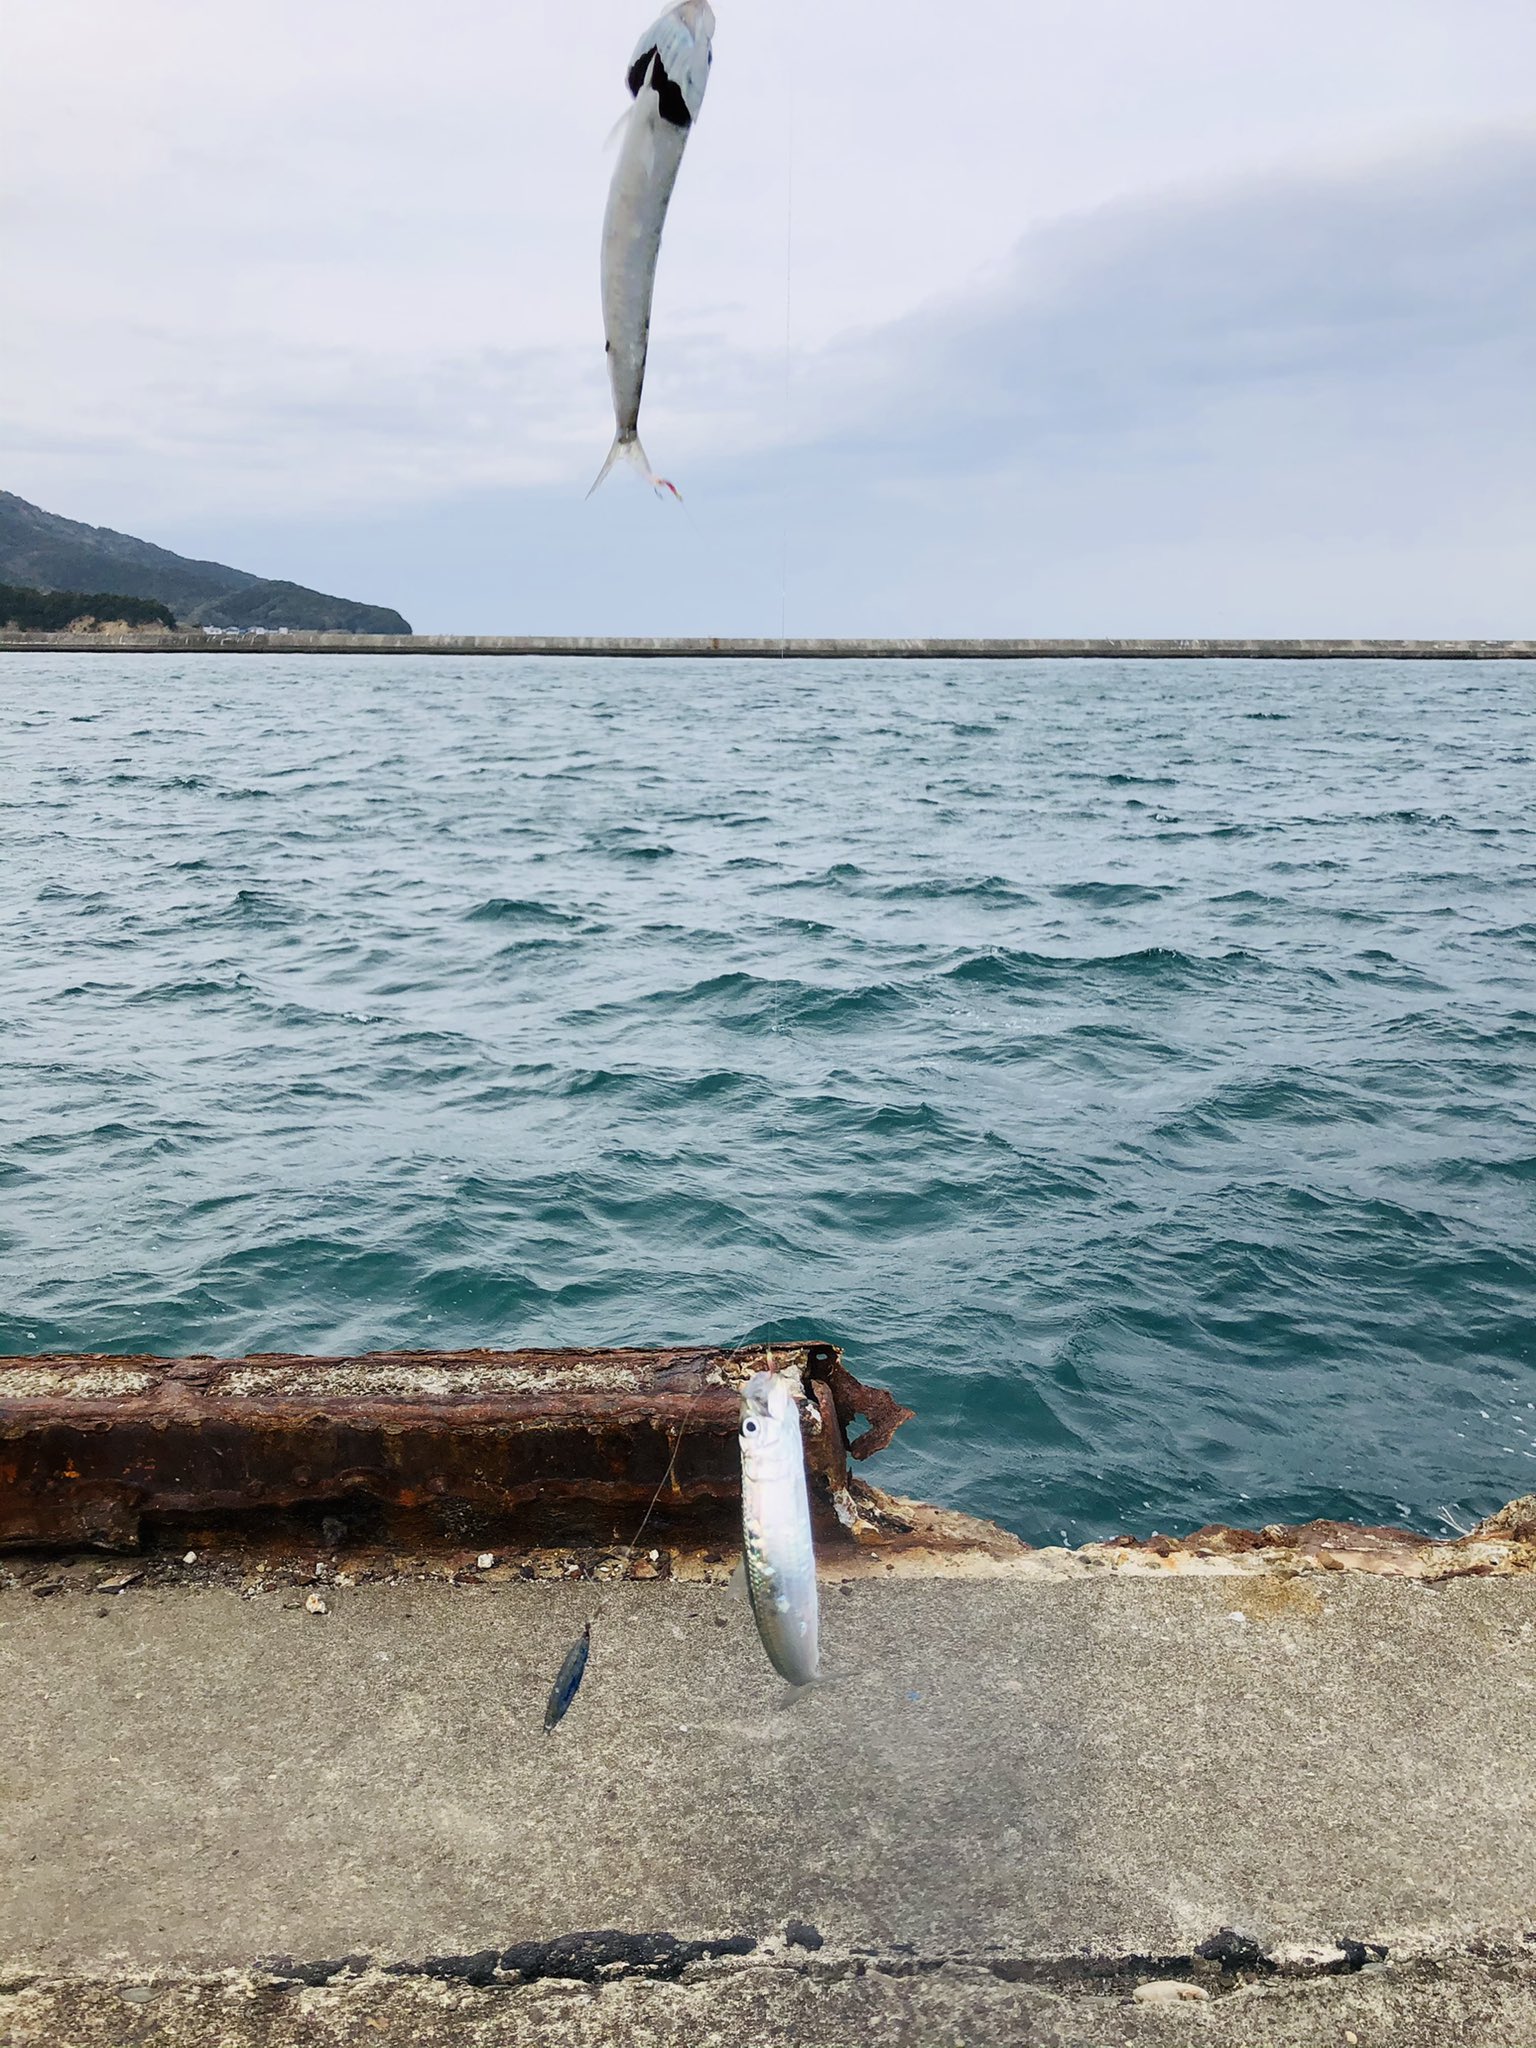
{"x":89,"y":1466}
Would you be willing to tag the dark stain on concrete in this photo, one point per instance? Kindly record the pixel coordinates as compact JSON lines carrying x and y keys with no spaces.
{"x":586,"y":1958}
{"x":286,"y":1971}
{"x":1233,"y":1952}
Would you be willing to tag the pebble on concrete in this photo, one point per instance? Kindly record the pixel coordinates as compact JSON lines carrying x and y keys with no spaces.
{"x":1169,"y":1991}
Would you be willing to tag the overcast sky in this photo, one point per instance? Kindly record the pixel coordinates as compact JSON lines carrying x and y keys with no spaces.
{"x":1028,"y":316}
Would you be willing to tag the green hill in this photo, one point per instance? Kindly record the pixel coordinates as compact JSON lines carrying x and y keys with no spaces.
{"x":53,"y":611}
{"x":41,"y":551}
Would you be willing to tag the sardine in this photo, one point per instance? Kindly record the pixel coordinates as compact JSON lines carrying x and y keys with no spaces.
{"x":777,"y":1551}
{"x":666,"y":78}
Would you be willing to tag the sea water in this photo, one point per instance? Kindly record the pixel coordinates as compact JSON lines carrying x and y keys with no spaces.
{"x":1133,"y":1065}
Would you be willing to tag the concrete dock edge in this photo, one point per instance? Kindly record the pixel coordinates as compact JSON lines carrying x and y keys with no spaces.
{"x":1271,"y":1806}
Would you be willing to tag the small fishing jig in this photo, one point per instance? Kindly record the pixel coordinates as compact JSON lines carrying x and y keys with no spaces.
{"x":568,"y":1684}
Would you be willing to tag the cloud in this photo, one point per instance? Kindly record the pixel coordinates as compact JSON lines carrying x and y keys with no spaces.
{"x":217,"y":223}
{"x":1303,"y":404}
{"x":1149,"y":318}
{"x":1132,"y":318}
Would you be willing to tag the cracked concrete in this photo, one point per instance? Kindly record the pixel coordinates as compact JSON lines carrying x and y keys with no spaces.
{"x":1489,"y":2006}
{"x":1028,"y":1796}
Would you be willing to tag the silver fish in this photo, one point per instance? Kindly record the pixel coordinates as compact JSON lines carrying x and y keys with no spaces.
{"x":666,"y":77}
{"x":777,"y":1551}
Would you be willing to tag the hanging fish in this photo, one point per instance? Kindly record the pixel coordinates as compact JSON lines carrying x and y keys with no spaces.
{"x":667,"y":76}
{"x":566,"y":1686}
{"x":778,"y":1556}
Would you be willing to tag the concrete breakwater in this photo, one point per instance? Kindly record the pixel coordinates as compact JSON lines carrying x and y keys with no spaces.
{"x":271,"y":1796}
{"x":275,"y":1771}
{"x":801,"y":649}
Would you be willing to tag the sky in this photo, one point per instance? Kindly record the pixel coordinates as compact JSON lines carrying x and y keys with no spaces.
{"x":1035,"y":316}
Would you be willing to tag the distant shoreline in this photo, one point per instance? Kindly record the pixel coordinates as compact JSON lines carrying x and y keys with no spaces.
{"x":555,"y":646}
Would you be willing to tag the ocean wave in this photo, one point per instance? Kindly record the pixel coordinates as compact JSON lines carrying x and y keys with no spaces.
{"x":196,"y":988}
{"x":259,"y":907}
{"x":88,"y":900}
{"x":1164,"y":1137}
{"x":624,"y":842}
{"x":982,"y":889}
{"x":1158,"y":965}
{"x":524,"y":911}
{"x":751,"y":1002}
{"x":1108,"y":895}
{"x":1230,"y":1113}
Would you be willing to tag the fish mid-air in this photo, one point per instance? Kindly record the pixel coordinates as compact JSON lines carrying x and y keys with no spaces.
{"x":778,"y":1555}
{"x":666,"y":77}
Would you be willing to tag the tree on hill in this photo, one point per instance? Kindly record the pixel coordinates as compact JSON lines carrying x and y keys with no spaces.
{"x":41,"y":551}
{"x":54,"y":611}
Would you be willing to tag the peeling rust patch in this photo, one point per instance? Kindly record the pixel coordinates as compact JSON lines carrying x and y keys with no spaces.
{"x":1502,"y":1546}
{"x":428,"y":1446}
{"x":873,"y":1405}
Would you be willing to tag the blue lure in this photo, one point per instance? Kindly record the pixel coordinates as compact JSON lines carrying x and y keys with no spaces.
{"x":568,"y":1684}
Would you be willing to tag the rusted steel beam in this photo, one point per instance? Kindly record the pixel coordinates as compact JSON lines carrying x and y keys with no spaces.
{"x":92,"y":1446}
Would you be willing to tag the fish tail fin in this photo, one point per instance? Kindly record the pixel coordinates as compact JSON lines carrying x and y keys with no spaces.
{"x":627,"y":448}
{"x":822,"y":1682}
{"x":619,"y":445}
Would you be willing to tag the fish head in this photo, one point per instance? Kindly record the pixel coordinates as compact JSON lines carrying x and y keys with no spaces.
{"x":767,"y":1407}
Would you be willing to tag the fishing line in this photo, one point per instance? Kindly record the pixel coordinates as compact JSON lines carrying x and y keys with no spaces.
{"x":573,"y":1669}
{"x":666,"y":1478}
{"x":788,"y":73}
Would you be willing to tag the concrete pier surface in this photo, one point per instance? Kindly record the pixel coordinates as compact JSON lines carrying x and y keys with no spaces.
{"x":798,"y":649}
{"x":1235,"y":1805}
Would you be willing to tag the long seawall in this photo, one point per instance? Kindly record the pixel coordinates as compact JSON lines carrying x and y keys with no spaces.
{"x":673,"y":648}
